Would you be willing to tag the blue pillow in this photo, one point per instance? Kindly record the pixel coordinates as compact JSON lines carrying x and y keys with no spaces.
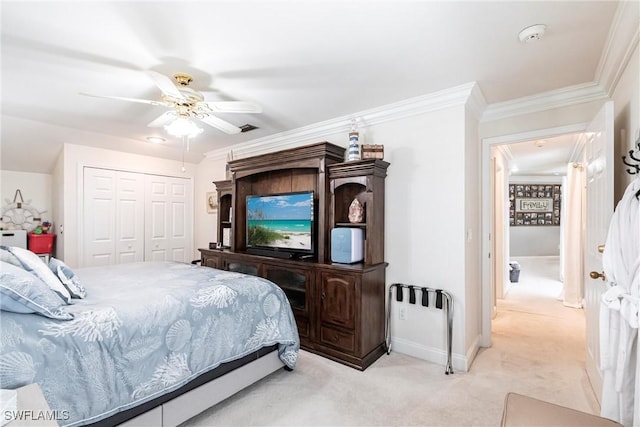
{"x":7,"y":256}
{"x":68,"y":278}
{"x":34,"y":265}
{"x":23,"y":292}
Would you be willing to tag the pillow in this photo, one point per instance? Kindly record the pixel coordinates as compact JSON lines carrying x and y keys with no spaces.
{"x":23,"y":292}
{"x":34,"y":265}
{"x":68,"y":278}
{"x":6,"y":256}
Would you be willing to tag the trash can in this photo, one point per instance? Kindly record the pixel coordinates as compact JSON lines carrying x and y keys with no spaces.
{"x":514,"y":271}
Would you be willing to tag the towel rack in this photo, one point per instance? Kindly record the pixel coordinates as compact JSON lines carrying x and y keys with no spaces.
{"x":443,"y":301}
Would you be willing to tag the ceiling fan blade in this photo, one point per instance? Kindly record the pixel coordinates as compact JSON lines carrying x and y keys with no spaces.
{"x":163,"y":119}
{"x":233,"y":107}
{"x":165,"y":84}
{"x":221,"y":124}
{"x":120,"y":98}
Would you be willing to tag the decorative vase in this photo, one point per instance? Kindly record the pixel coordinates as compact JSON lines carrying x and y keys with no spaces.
{"x":356,"y":212}
{"x":354,"y":148}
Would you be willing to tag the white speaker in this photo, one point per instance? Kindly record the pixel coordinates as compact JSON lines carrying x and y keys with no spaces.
{"x":347,"y":245}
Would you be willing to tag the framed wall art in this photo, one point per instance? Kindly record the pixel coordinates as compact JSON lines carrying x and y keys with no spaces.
{"x":212,"y":202}
{"x":534,"y":204}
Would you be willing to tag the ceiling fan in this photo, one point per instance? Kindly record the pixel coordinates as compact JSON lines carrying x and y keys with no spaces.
{"x":186,"y":103}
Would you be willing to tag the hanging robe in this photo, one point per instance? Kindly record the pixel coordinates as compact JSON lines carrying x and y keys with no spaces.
{"x":619,"y":312}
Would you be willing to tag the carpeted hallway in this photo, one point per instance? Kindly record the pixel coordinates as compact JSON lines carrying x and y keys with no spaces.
{"x":538,"y":350}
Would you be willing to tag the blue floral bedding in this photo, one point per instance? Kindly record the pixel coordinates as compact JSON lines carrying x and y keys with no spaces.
{"x":143,"y":330}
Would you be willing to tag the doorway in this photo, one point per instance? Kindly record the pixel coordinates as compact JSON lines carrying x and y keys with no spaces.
{"x":496,"y":176}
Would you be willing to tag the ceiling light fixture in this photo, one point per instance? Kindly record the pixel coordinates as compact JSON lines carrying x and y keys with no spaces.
{"x":532,"y":33}
{"x":156,"y":139}
{"x":182,"y":126}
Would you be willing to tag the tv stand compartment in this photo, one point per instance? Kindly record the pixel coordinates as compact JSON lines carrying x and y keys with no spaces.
{"x":339,"y":308}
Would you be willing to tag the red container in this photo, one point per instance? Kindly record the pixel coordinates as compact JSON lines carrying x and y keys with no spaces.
{"x":41,"y":243}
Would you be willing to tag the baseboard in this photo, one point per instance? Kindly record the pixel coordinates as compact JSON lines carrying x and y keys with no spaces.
{"x":430,"y":354}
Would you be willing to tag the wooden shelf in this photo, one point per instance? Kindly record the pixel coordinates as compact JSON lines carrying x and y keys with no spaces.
{"x":350,"y":224}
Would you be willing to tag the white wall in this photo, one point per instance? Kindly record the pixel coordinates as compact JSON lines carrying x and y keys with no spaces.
{"x":34,"y":187}
{"x":208,"y":170}
{"x":626,"y":104}
{"x":74,"y":157}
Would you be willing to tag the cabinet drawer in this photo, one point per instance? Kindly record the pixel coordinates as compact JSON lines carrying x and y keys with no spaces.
{"x":211,"y":261}
{"x":337,"y":338}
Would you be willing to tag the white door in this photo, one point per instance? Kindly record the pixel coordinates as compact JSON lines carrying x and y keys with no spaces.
{"x":99,"y":217}
{"x":168,"y":219}
{"x":599,"y":209}
{"x":129,"y":217}
{"x":113,"y":217}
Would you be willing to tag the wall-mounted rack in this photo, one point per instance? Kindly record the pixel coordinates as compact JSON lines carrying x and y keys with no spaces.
{"x":635,"y":156}
{"x":436,"y":298}
{"x":634,"y":168}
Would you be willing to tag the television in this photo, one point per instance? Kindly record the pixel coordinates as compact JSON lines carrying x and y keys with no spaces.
{"x":281,"y":225}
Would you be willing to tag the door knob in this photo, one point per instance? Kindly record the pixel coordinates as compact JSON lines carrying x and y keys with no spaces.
{"x":596,"y":275}
{"x":601,"y":248}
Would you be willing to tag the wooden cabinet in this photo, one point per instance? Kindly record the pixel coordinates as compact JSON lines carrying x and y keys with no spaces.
{"x":339,"y":308}
{"x":225,"y":197}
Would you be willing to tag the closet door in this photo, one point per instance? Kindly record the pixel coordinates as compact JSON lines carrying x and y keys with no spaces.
{"x":129,"y":217}
{"x":168,"y":219}
{"x":113,"y":217}
{"x":99,"y":217}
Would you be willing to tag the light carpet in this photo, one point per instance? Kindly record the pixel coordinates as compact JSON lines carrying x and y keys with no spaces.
{"x":538,"y":350}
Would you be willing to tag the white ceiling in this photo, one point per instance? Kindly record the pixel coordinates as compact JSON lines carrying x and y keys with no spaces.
{"x":304,"y":62}
{"x":548,"y":156}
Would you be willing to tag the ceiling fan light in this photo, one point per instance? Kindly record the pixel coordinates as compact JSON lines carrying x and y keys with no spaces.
{"x":182,"y":126}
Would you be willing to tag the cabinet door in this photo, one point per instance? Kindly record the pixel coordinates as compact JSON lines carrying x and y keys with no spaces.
{"x":242,"y":266}
{"x":212,"y":261}
{"x":293,"y":281}
{"x":337,"y":299}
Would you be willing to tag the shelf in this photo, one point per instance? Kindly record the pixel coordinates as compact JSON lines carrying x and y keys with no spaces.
{"x":349,"y":224}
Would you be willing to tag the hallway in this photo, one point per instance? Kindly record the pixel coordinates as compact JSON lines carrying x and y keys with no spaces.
{"x":535,"y":334}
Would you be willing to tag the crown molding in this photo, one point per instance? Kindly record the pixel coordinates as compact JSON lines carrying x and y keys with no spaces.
{"x":623,"y":39}
{"x":557,"y":98}
{"x":476,"y":103}
{"x":455,"y":96}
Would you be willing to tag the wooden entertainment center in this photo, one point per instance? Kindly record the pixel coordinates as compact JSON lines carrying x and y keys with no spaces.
{"x":339,"y":308}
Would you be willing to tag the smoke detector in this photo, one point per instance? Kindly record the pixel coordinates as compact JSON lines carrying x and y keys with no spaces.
{"x":532,"y":33}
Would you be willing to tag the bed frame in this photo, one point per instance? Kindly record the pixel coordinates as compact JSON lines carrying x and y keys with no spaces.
{"x":201,"y":393}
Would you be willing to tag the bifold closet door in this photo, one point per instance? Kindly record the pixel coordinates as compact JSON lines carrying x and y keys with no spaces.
{"x":168,"y":219}
{"x":113,"y":214}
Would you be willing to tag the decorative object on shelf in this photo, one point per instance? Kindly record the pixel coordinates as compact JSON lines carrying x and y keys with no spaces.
{"x":212,"y":202}
{"x":356,"y":212}
{"x":372,"y":151}
{"x":353,"y":152}
{"x":20,"y":215}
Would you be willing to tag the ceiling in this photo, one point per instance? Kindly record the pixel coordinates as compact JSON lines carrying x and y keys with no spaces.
{"x":548,"y":156}
{"x":304,"y":62}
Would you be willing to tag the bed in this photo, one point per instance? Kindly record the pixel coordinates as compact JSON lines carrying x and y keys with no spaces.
{"x":146,"y":334}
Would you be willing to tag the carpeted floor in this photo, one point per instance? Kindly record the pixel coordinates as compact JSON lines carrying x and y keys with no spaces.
{"x":538,"y":350}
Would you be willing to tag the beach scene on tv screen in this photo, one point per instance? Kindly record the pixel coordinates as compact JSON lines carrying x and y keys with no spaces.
{"x":282,"y":221}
